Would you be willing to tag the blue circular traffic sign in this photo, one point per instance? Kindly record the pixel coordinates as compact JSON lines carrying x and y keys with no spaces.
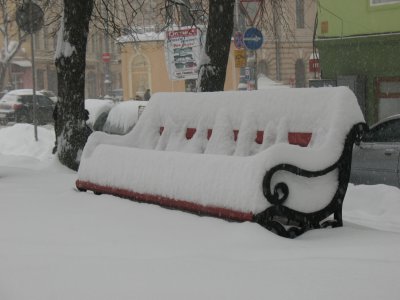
{"x":253,"y":38}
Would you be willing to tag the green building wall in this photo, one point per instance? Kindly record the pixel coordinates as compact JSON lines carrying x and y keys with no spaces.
{"x":357,"y":17}
{"x":361,"y":40}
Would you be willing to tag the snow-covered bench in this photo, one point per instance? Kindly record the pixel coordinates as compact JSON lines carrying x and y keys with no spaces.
{"x":278,"y":157}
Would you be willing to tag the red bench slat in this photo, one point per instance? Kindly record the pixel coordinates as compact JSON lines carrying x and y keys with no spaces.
{"x":215,"y":211}
{"x":299,"y":138}
{"x":295,"y":138}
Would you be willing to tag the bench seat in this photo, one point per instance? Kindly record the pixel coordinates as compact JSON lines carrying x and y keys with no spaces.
{"x":277,"y":157}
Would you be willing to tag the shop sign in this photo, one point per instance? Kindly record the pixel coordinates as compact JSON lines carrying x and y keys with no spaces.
{"x":313,"y":65}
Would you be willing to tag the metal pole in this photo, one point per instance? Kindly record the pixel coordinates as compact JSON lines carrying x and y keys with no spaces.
{"x":33,"y":74}
{"x":255,"y":70}
{"x":107,"y":79}
{"x":237,"y":13}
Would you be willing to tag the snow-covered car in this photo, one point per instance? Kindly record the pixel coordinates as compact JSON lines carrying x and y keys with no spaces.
{"x":17,"y":106}
{"x":121,"y":118}
{"x":97,"y":108}
{"x":376,"y":160}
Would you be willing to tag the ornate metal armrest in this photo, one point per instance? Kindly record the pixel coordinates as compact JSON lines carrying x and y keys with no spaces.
{"x":290,"y":223}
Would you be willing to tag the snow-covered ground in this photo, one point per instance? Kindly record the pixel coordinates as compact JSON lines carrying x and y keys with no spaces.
{"x":58,"y":243}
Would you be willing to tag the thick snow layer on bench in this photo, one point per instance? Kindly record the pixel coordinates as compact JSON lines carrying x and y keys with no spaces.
{"x":228,"y":173}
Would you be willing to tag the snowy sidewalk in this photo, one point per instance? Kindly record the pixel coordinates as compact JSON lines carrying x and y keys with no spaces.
{"x":57,"y":243}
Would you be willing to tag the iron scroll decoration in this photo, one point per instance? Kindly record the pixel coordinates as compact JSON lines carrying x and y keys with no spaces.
{"x":289,"y":223}
{"x":30,"y":17}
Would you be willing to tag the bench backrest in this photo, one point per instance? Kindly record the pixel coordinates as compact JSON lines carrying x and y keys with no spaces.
{"x":245,"y":123}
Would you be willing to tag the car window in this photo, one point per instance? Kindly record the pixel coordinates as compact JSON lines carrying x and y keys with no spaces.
{"x":385,"y":132}
{"x":26,"y":99}
{"x":44,"y":101}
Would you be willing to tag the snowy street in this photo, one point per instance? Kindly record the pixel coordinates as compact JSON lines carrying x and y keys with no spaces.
{"x":58,"y":243}
{"x":259,"y":140}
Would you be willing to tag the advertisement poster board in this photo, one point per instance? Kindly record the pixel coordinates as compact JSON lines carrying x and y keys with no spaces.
{"x":182,"y":51}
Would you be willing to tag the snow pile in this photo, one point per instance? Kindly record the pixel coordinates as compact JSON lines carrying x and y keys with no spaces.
{"x":376,"y":206}
{"x":228,"y":181}
{"x":19,"y":140}
{"x":263,"y":82}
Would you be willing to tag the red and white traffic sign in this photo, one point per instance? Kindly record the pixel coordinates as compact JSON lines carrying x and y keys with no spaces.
{"x":106,"y":57}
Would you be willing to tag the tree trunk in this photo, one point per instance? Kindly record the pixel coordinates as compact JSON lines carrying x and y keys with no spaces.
{"x":71,"y":133}
{"x":219,"y":33}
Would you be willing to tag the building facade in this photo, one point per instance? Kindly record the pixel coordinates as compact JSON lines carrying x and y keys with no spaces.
{"x":138,"y":65}
{"x":101,"y":77}
{"x":144,"y":66}
{"x":359,"y":45}
{"x":284,"y":56}
{"x":288,"y":45}
{"x":20,"y":72}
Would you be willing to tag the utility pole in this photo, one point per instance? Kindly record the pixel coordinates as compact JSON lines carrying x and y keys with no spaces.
{"x":29,"y":17}
{"x":33,"y":74}
{"x":107,"y":79}
{"x":277,"y":46}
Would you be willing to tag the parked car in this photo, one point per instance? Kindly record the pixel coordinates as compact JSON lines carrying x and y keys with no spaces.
{"x":17,"y":106}
{"x":117,"y":94}
{"x":49,"y":94}
{"x":377,"y":158}
{"x":98,"y":110}
{"x":121,"y":118}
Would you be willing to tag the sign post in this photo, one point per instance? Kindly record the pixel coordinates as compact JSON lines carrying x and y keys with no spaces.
{"x":29,"y":17}
{"x":253,"y":40}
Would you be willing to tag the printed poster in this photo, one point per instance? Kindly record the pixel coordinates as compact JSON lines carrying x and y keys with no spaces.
{"x":183,"y":50}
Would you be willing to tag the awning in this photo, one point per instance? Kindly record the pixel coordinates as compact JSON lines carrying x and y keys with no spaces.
{"x":22,"y":63}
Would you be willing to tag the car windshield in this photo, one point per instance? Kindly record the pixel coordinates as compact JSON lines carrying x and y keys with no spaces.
{"x":9,"y":98}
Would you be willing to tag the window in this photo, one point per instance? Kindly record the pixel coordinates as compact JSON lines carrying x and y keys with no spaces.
{"x":44,"y":101}
{"x":55,"y":43}
{"x":388,"y":92}
{"x":40,"y":79}
{"x":300,"y":13}
{"x":91,"y":89}
{"x":262,"y":67}
{"x":384,"y":133}
{"x":300,"y":73}
{"x":25,"y":99}
{"x":52,"y":80}
{"x":39,"y":39}
{"x":140,"y":70}
{"x":383,"y":2}
{"x":45,"y":38}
